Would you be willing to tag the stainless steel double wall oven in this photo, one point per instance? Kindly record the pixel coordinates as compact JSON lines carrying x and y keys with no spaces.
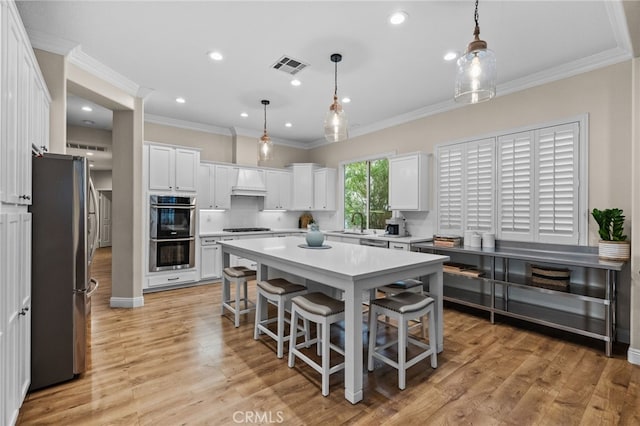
{"x":172,"y":233}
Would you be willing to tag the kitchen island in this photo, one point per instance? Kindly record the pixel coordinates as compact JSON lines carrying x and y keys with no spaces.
{"x":350,"y":268}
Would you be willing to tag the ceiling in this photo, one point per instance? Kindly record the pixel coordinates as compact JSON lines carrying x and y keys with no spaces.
{"x":392,"y":74}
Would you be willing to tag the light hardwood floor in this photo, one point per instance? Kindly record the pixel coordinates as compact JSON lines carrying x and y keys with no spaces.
{"x":177,"y":361}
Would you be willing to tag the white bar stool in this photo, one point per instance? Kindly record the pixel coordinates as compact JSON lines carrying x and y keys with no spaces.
{"x":277,"y":291}
{"x":324,"y":311}
{"x":404,"y":307}
{"x":412,"y":285}
{"x":239,"y":275}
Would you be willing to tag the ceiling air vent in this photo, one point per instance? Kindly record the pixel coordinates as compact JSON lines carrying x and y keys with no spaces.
{"x":289,"y":65}
{"x":86,"y":147}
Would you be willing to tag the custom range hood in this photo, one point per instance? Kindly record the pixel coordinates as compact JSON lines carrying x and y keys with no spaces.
{"x":250,"y":182}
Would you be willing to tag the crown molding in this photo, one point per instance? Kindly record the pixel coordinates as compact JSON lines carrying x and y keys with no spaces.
{"x":43,"y":41}
{"x":250,"y":133}
{"x":97,"y":68}
{"x":184,"y":124}
{"x":74,"y":54}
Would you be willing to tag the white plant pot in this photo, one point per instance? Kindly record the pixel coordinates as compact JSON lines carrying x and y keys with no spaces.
{"x":614,"y":250}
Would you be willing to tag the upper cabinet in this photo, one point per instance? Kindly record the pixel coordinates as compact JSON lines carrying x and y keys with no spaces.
{"x":302,"y":186}
{"x":214,"y":186}
{"x":409,"y":182}
{"x":324,"y":189}
{"x":25,"y":102}
{"x":313,"y":187}
{"x":173,"y":169}
{"x":278,"y":196}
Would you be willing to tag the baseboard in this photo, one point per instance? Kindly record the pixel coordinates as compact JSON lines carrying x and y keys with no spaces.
{"x":126,"y":302}
{"x":633,"y":356}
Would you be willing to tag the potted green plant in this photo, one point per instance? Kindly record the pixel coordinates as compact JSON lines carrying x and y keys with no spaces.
{"x":613,"y":244}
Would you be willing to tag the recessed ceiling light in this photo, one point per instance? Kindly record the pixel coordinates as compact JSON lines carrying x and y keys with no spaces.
{"x":87,"y":108}
{"x":180,"y":100}
{"x":450,"y":56}
{"x":398,"y":17}
{"x":91,"y":165}
{"x":346,"y":100}
{"x":244,"y":115}
{"x":296,"y":82}
{"x":89,"y":154}
{"x":216,"y":56}
{"x":288,"y":124}
{"x":89,"y":122}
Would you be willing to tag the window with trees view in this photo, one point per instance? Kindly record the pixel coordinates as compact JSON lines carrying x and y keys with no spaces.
{"x":366,"y":191}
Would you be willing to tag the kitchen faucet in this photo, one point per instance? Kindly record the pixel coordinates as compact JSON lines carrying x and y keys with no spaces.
{"x":361,"y":220}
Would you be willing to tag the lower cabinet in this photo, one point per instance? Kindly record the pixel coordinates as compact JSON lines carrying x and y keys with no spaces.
{"x":172,"y":278}
{"x":15,"y":314}
{"x":210,"y":261}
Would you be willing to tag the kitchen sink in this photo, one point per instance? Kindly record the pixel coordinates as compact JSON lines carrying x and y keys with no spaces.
{"x":351,"y":232}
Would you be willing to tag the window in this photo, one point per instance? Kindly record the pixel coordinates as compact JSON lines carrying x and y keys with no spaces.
{"x":524,"y":186}
{"x":366,"y":191}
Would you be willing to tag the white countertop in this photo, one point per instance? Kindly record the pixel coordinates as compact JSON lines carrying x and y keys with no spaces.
{"x":380,"y":236}
{"x":349,"y":260}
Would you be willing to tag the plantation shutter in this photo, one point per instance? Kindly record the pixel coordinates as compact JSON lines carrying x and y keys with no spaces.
{"x":479,"y":185}
{"x":557,"y":184}
{"x":515,"y":186}
{"x":450,"y":208}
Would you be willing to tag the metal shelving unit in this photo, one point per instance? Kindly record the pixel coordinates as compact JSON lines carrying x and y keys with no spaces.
{"x":505,"y":288}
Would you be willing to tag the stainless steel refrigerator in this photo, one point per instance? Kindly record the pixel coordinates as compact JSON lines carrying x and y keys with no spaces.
{"x":64,"y":238}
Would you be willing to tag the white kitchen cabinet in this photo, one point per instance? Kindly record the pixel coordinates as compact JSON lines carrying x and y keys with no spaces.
{"x":171,"y":278}
{"x":399,"y":246}
{"x":25,"y":100}
{"x":324,"y":189}
{"x":223,"y":180}
{"x":302,"y":186}
{"x":15,"y":324}
{"x":214,"y":186}
{"x":24,"y":122}
{"x":409,"y":182}
{"x":173,"y":169}
{"x":278,"y":194}
{"x":210,"y":261}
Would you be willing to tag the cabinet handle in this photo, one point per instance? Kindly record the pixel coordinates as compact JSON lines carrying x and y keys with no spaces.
{"x":25,"y":197}
{"x":44,"y":148}
{"x":173,"y":279}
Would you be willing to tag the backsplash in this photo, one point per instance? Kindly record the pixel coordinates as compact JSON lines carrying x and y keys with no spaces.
{"x":245,"y":212}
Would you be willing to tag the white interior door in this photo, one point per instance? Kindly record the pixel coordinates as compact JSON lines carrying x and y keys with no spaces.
{"x":105,"y":218}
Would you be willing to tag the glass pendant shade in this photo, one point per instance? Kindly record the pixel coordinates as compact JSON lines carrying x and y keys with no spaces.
{"x":265,"y":146}
{"x":335,"y":123}
{"x":476,"y":71}
{"x":476,"y":76}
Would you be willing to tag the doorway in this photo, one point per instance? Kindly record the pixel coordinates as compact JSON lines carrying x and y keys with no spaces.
{"x":105,"y":218}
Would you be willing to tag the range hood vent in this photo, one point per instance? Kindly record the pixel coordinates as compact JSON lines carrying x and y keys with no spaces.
{"x":250,"y":182}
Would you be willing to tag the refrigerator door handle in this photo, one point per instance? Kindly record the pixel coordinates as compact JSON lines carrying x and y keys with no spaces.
{"x":88,"y":292}
{"x":93,"y":287}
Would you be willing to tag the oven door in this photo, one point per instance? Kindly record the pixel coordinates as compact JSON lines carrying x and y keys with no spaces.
{"x":172,"y":221}
{"x":171,"y":253}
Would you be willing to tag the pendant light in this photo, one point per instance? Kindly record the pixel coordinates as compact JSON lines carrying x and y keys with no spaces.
{"x":476,"y":75}
{"x":335,"y":123}
{"x":265,"y":146}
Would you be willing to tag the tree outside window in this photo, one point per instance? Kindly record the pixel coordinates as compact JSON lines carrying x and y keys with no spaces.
{"x":366,"y":191}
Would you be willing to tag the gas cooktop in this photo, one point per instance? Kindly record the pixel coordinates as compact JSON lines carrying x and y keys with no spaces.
{"x":245,"y":229}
